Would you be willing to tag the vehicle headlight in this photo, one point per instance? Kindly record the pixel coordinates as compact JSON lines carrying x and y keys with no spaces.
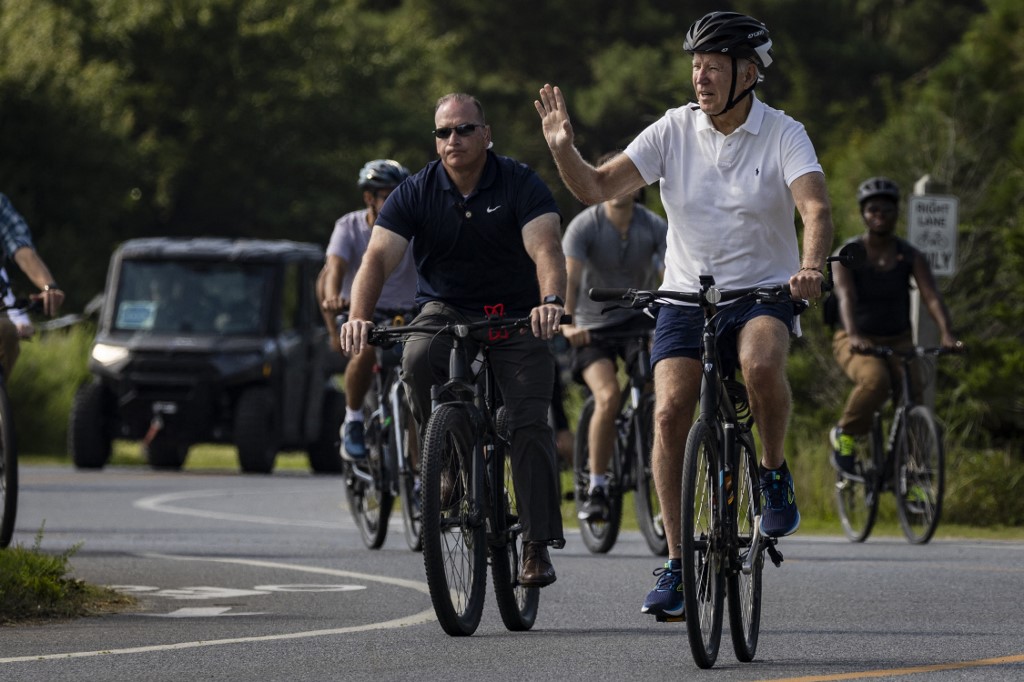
{"x":108,"y":355}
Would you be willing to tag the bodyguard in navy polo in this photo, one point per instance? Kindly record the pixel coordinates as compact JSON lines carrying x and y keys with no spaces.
{"x":485,"y":231}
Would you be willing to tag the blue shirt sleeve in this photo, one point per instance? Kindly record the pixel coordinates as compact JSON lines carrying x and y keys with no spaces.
{"x":14,"y":232}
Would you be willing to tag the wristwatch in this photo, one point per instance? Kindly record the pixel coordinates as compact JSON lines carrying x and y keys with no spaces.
{"x":554,"y":298}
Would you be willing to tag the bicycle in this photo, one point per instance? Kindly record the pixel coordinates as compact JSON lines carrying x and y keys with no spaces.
{"x":630,"y":465}
{"x":8,"y":446}
{"x":722,"y":545}
{"x":468,"y":500}
{"x":910,"y":462}
{"x":389,"y":470}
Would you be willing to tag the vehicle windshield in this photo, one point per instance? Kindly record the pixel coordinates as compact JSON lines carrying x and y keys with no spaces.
{"x":196,"y":297}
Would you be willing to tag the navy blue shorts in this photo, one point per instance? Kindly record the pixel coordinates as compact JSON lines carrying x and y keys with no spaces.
{"x":680,"y":329}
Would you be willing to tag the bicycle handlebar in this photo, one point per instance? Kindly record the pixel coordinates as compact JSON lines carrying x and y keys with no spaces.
{"x":915,"y":352}
{"x":28,"y":305}
{"x":381,"y":335}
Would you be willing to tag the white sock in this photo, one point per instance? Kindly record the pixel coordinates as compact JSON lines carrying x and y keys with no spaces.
{"x":353,"y":415}
{"x":598,"y":481}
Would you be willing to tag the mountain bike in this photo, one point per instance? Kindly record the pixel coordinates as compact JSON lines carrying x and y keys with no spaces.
{"x":910,"y":463}
{"x":390,"y":469}
{"x":722,"y":545}
{"x":468,"y":500}
{"x":8,"y":446}
{"x":630,"y":465}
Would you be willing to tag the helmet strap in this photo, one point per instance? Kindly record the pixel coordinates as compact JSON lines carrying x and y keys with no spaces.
{"x":733,"y":98}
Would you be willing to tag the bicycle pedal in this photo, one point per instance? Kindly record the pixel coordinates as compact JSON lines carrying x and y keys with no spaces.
{"x":661,"y":618}
{"x":774,"y":554}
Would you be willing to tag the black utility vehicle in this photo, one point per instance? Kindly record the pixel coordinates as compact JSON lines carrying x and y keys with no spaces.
{"x":210,"y":340}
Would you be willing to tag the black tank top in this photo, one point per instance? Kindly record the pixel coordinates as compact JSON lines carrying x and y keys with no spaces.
{"x":883,"y":296}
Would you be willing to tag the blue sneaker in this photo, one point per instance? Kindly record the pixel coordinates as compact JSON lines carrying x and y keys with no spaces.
{"x":779,"y":515}
{"x":666,"y":599}
{"x":355,"y":447}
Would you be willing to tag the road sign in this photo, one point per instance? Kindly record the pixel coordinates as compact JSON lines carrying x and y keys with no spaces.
{"x":932,"y":229}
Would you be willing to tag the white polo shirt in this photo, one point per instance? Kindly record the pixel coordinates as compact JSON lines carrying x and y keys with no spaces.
{"x":730,"y":211}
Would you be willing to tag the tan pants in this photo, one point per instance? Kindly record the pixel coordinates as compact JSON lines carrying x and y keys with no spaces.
{"x":9,"y":345}
{"x":870,"y":378}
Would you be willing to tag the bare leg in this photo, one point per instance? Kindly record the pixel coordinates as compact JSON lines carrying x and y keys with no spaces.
{"x":604,"y":385}
{"x":358,"y":377}
{"x":763,"y":348}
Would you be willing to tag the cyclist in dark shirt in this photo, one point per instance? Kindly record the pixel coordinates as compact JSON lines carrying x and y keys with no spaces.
{"x":485,"y":236}
{"x":874,"y":310}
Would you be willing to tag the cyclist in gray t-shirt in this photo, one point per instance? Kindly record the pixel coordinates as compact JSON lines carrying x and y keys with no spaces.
{"x":618,"y":243}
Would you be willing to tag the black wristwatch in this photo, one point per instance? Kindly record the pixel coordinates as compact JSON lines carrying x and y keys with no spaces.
{"x":554,"y":298}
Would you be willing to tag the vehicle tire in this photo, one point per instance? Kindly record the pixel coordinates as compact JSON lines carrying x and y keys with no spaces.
{"x":517,"y":605}
{"x":648,"y":506}
{"x":166,"y":453}
{"x":325,"y":452}
{"x":920,"y":476}
{"x":857,"y":494}
{"x":256,"y":430}
{"x":703,"y":570}
{"x":8,"y":470}
{"x":598,"y":536}
{"x":454,"y":540}
{"x":369,"y":494}
{"x":89,"y":428}
{"x":409,"y":478}
{"x":744,"y":589}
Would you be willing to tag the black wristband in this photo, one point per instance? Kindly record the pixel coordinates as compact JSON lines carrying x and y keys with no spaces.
{"x":50,"y":287}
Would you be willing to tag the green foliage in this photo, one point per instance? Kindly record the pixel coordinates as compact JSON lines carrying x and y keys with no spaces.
{"x":984,"y":489}
{"x":49,"y":370}
{"x":34,"y":585}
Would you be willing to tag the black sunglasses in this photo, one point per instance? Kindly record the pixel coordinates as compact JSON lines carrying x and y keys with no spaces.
{"x":462,"y":130}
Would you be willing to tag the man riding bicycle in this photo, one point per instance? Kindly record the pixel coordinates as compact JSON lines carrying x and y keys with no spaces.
{"x":732,"y":170}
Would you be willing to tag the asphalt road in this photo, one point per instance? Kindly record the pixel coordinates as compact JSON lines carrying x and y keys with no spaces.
{"x":265,"y":578}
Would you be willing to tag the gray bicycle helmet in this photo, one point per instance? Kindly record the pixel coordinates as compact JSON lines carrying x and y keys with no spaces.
{"x":877,"y":187}
{"x":733,"y":34}
{"x":382,"y":174}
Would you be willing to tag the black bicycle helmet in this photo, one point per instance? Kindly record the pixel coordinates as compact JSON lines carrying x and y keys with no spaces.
{"x":877,"y":187}
{"x":733,"y":34}
{"x":382,"y":174}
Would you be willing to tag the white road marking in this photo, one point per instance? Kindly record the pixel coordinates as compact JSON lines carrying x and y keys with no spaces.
{"x":425,"y":616}
{"x":202,"y":612}
{"x":164,"y":503}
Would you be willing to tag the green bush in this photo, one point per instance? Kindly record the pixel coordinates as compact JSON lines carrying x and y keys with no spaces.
{"x":42,"y":387}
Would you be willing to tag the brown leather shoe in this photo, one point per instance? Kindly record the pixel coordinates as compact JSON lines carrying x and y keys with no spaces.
{"x":537,"y":568}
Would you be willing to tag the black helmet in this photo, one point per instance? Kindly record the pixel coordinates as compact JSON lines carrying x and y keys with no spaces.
{"x":877,"y":187}
{"x":381,"y":174}
{"x":733,"y":34}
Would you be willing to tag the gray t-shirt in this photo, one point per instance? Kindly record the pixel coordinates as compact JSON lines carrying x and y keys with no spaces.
{"x":349,"y":240}
{"x":610,"y":261}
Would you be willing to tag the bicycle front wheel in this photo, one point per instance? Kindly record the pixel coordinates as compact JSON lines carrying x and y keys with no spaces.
{"x":409,"y":479}
{"x":703,"y":586}
{"x":518,"y":605}
{"x":599,"y":535}
{"x":745,"y":588}
{"x":920,"y":476}
{"x":454,"y":549}
{"x":367,"y":489}
{"x":857,"y":493}
{"x":648,"y":506}
{"x":8,"y":472}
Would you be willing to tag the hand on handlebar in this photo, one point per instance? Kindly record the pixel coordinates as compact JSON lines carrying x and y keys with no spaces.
{"x":545,"y":320}
{"x":353,"y":336}
{"x":806,"y":284}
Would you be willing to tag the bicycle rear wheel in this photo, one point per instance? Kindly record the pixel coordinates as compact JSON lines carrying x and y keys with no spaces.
{"x":744,"y":589}
{"x":920,"y":476}
{"x":454,"y":543}
{"x":648,"y":506}
{"x":703,"y":584}
{"x":8,"y":471}
{"x":367,"y":489}
{"x":599,"y":536}
{"x":518,"y":605}
{"x":409,"y":479}
{"x":857,"y":494}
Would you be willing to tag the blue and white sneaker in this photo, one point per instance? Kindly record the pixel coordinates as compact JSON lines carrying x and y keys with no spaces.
{"x":665,"y":601}
{"x":354,"y":445}
{"x":779,"y":515}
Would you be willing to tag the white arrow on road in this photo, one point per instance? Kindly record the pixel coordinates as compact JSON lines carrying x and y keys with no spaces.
{"x":201,"y":612}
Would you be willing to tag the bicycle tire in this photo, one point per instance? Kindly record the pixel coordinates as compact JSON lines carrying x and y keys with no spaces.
{"x":703,"y":584}
{"x":645,"y":499}
{"x":370,"y":503}
{"x":8,"y":470}
{"x":454,"y":541}
{"x":920,"y":475}
{"x":744,"y":590}
{"x":598,"y":536}
{"x":517,"y":605}
{"x":857,"y":496}
{"x":408,"y":480}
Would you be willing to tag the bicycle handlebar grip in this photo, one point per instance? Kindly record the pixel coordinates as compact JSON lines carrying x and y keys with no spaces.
{"x":607,"y":294}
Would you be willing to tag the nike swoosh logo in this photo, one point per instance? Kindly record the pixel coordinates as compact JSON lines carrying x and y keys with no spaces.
{"x":491,"y":209}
